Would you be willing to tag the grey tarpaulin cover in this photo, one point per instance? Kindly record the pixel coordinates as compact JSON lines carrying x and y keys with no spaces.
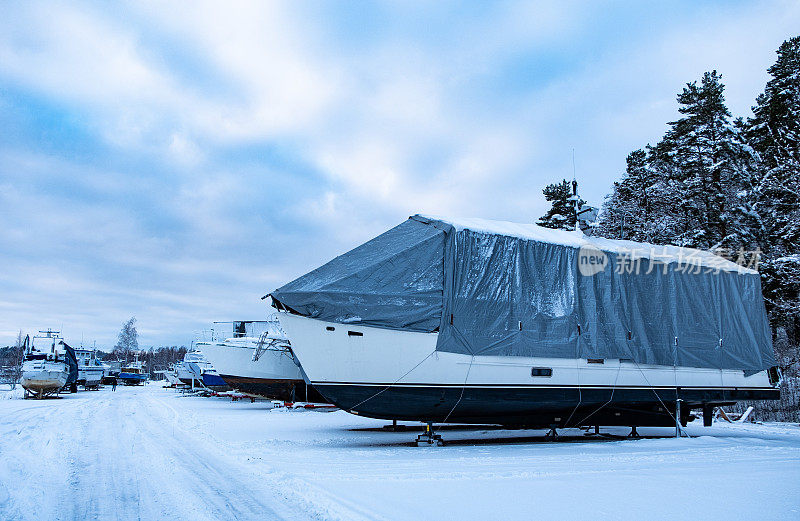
{"x":506,"y":289}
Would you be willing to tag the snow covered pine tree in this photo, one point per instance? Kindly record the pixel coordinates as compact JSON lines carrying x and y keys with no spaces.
{"x":729,"y":185}
{"x":561,"y":215}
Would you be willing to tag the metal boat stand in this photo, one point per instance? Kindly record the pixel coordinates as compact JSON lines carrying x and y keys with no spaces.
{"x":552,"y":432}
{"x":679,"y":432}
{"x":595,"y":432}
{"x":394,"y":427}
{"x":429,"y":438}
{"x":634,"y":433}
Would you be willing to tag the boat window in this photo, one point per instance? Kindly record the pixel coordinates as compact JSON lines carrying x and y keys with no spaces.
{"x":541,"y":371}
{"x":354,"y":333}
{"x":330,"y":328}
{"x":239,"y":329}
{"x":595,"y":361}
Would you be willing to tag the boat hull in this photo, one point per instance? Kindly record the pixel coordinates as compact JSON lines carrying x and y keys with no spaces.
{"x":214,"y":382}
{"x":44,"y":378}
{"x":186,"y":375}
{"x":90,"y":376}
{"x":274,"y":375}
{"x":399,"y":375}
{"x":286,"y":390}
{"x":131,"y":378}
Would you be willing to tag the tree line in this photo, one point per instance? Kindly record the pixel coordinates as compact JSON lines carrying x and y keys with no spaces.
{"x":721,"y":183}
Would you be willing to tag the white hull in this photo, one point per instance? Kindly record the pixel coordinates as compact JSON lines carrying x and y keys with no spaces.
{"x":44,"y":377}
{"x":340,"y":358}
{"x":90,"y":376}
{"x":184,"y":374}
{"x":274,"y":375}
{"x":237,"y":360}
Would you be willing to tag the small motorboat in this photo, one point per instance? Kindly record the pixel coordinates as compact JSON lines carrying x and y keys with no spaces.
{"x":196,"y":371}
{"x":133,"y":373}
{"x":90,"y":370}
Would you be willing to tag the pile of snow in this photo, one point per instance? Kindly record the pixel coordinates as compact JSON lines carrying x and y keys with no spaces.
{"x":7,"y":393}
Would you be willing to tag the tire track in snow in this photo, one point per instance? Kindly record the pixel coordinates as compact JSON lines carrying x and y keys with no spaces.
{"x":216,"y":485}
{"x":113,"y":456}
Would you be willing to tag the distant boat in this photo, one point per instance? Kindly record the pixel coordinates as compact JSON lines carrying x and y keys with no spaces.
{"x":111,"y":370}
{"x":259,"y":362}
{"x":133,"y":373}
{"x":47,"y":364}
{"x":196,"y":370}
{"x":90,"y":369}
{"x":171,"y":375}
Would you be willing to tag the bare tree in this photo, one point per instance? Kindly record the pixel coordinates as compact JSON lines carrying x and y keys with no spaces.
{"x":128,"y":340}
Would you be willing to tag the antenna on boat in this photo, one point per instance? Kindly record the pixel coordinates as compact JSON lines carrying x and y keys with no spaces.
{"x":574,"y":197}
{"x":583,"y":214}
{"x":573,"y":165}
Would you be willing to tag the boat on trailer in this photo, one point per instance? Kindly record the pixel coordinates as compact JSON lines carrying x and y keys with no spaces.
{"x":257,"y":361}
{"x":476,"y":321}
{"x":48,"y":364}
{"x":133,"y":373}
{"x":90,"y":370}
{"x":196,"y":371}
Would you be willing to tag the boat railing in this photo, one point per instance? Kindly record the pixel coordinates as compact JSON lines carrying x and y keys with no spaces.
{"x":267,"y":343}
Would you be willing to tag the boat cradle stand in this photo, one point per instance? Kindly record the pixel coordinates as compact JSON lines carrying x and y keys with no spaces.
{"x":428,"y":438}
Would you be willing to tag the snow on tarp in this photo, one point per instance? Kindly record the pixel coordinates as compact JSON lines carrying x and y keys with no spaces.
{"x":506,"y":289}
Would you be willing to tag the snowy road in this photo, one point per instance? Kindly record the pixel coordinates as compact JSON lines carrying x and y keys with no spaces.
{"x":149,"y":453}
{"x":118,"y":456}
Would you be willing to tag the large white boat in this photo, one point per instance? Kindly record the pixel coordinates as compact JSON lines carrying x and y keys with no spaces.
{"x":46,"y":366}
{"x":481,"y":321}
{"x":257,"y":360}
{"x":90,"y":370}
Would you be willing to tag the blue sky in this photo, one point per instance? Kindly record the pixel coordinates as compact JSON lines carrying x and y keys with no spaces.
{"x":176,"y":161}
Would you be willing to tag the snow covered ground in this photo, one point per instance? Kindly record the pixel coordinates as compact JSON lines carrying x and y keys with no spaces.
{"x":149,"y":453}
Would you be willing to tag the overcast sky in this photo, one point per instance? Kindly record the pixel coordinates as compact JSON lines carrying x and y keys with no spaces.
{"x":176,"y":162}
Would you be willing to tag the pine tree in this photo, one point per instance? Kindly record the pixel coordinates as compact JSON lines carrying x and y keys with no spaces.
{"x":561,"y":214}
{"x":715,"y":182}
{"x":774,"y":134}
{"x":702,"y":158}
{"x":628,"y":211}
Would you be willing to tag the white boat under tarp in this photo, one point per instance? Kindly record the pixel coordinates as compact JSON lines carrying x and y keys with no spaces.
{"x":469,"y":320}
